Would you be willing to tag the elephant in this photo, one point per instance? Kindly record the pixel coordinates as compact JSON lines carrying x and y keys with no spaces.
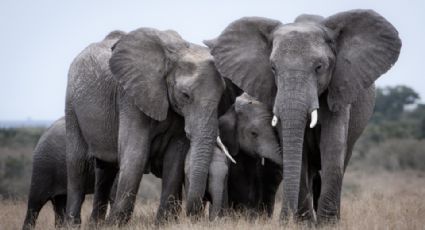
{"x":48,"y":180}
{"x":315,"y":69}
{"x":130,"y":95}
{"x":249,"y":137}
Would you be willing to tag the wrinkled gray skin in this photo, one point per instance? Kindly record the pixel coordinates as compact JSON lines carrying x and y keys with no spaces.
{"x":328,"y":64}
{"x":122,"y":104}
{"x":48,"y":180}
{"x":245,"y":130}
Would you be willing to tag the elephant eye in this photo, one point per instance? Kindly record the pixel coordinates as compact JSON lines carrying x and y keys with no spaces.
{"x":186,"y":96}
{"x":274,"y":70}
{"x":318,"y":68}
{"x":254,"y":134}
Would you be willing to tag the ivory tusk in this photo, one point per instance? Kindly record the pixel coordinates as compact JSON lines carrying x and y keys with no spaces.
{"x":313,"y":118}
{"x":262,"y":161}
{"x":224,"y":149}
{"x":274,"y":121}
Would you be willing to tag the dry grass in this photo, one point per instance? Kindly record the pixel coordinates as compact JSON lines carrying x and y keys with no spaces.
{"x":377,"y":201}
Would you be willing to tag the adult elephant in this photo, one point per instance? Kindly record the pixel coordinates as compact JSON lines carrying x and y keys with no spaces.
{"x":132,"y":93}
{"x":296,"y":68}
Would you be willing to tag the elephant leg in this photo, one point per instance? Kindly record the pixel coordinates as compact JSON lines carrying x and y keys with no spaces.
{"x":35,"y":203}
{"x":133,"y":152}
{"x":316,"y":185}
{"x":59,"y":206}
{"x":128,"y":184}
{"x":217,"y":183}
{"x":272,"y":176}
{"x":226,"y":195}
{"x":77,"y":168}
{"x":172,"y":179}
{"x":333,"y":148}
{"x":105,"y":176}
{"x":313,"y":140}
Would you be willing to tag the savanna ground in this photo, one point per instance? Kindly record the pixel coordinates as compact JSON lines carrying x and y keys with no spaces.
{"x":384,"y":200}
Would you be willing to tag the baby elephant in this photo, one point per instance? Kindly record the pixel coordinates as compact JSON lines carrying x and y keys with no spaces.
{"x":247,"y":132}
{"x":249,"y":137}
{"x":48,"y":181}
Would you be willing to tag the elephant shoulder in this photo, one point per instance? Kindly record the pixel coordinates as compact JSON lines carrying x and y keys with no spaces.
{"x":90,"y":70}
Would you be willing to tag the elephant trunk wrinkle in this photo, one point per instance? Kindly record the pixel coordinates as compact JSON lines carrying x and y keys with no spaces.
{"x":203,"y":142}
{"x":293,"y":116}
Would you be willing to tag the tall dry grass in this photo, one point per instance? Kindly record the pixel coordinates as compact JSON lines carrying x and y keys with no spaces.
{"x":370,"y":201}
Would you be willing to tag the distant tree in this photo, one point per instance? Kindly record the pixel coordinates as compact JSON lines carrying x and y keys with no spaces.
{"x":418,"y":115}
{"x":391,"y":102}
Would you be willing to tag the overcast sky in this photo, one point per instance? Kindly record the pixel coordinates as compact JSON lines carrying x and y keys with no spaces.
{"x":39,"y":39}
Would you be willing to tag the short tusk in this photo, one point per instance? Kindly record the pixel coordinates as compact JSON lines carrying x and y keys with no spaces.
{"x":313,"y":118}
{"x":262,"y":161}
{"x":274,"y":121}
{"x":224,"y":149}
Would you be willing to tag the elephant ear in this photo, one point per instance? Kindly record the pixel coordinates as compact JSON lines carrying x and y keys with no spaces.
{"x":140,"y":60}
{"x":367,"y":46}
{"x":228,"y":132}
{"x":242,"y":53}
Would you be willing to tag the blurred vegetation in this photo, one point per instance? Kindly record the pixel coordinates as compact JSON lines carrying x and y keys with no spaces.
{"x":395,"y":136}
{"x":20,"y":137}
{"x":16,"y":146}
{"x":394,"y":140}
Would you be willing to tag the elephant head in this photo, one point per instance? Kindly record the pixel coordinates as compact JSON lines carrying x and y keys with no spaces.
{"x":160,"y":71}
{"x":246,"y":128}
{"x":290,"y":66}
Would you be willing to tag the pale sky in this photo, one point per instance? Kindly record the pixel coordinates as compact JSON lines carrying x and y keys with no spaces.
{"x":40,"y":38}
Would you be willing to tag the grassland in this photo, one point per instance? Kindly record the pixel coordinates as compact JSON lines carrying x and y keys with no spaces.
{"x":370,"y":201}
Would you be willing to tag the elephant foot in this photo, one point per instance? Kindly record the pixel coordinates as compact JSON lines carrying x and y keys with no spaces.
{"x":96,"y":223}
{"x":194,"y":208}
{"x":327,"y":220}
{"x":118,"y":219}
{"x":163,"y":217}
{"x":60,"y":224}
{"x":286,"y":215}
{"x":73,"y":222}
{"x":305,"y":218}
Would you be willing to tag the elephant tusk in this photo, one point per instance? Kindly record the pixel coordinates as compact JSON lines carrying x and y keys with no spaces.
{"x":274,"y":121}
{"x":224,"y":149}
{"x":262,"y":161}
{"x":313,"y":118}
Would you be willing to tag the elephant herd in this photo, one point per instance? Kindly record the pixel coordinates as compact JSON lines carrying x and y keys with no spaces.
{"x":264,"y":103}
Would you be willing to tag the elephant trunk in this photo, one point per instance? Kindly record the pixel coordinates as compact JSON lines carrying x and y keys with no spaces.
{"x":203,"y":138}
{"x":293,"y":105}
{"x":293,"y":124}
{"x":273,"y":153}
